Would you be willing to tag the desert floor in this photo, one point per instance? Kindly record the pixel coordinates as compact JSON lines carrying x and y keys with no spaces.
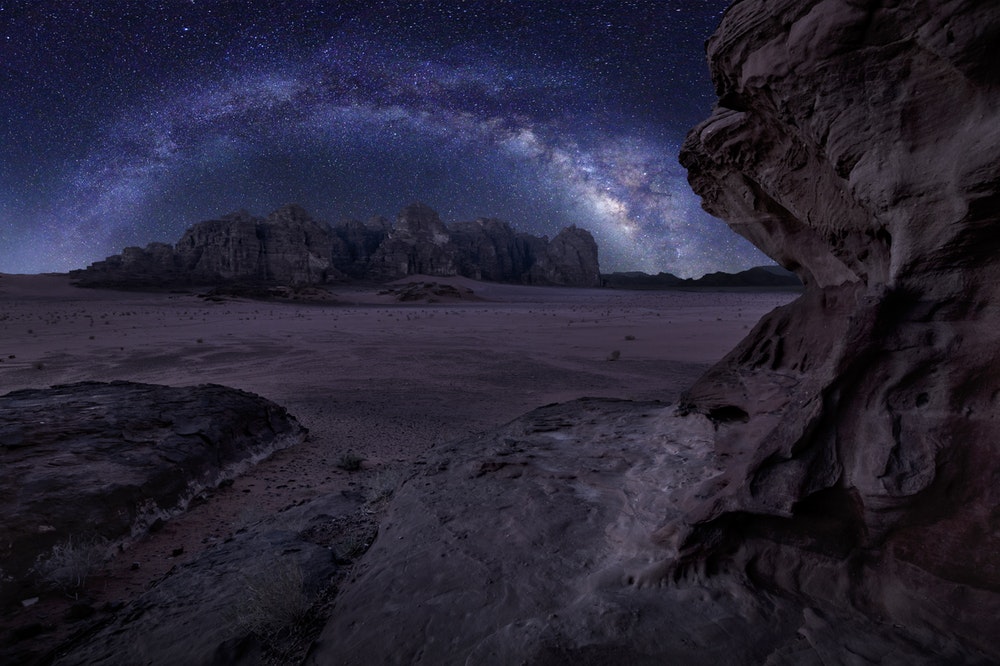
{"x":365,"y":374}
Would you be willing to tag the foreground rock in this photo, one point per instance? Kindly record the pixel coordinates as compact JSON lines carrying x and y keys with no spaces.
{"x":103,"y":462}
{"x":290,"y":248}
{"x":258,"y":598}
{"x":828,"y":492}
{"x":527,"y":547}
{"x":858,"y":143}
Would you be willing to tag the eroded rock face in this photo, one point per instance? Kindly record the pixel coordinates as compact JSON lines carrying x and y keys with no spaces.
{"x":828,"y":492}
{"x":289,"y":247}
{"x":529,"y":546}
{"x":419,"y":243}
{"x":858,"y":143}
{"x":108,"y":459}
{"x":569,"y":259}
{"x":488,"y":249}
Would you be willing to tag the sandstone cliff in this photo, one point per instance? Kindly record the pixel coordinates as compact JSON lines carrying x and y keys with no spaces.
{"x":858,"y":143}
{"x":289,"y":247}
{"x":418,"y":244}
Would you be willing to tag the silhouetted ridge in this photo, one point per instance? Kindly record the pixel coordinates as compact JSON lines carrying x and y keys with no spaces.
{"x":289,"y":247}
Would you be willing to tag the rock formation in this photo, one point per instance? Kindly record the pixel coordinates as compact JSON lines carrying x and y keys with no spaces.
{"x":418,"y":244}
{"x":103,"y":460}
{"x":828,"y":492}
{"x":756,"y":277}
{"x":858,"y":143}
{"x":489,"y":249}
{"x":291,"y":248}
{"x":569,"y":259}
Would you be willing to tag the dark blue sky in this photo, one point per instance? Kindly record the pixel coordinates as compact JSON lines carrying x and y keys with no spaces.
{"x":126,"y":122}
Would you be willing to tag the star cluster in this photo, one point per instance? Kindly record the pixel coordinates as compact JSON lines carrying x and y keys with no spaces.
{"x":126,"y":122}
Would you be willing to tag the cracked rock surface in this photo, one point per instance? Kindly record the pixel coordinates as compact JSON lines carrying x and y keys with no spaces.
{"x":96,"y":459}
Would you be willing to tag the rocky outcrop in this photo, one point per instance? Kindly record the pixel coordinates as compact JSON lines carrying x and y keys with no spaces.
{"x":488,"y":249}
{"x":525,"y":545}
{"x":569,"y":259}
{"x":858,"y":143}
{"x":758,"y":277}
{"x":287,"y":247}
{"x":828,"y":492}
{"x":291,"y":248}
{"x":418,"y":244}
{"x":107,"y":460}
{"x":359,"y":241}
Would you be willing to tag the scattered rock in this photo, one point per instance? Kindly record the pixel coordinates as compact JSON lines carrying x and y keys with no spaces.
{"x":428,"y":292}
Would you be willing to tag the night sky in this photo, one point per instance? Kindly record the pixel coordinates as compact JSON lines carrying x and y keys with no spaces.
{"x":126,"y":122}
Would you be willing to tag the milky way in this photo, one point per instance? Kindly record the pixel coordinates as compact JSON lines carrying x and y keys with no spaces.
{"x":127,"y":122}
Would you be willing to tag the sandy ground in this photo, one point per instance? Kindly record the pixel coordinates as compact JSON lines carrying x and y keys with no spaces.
{"x":364,"y":374}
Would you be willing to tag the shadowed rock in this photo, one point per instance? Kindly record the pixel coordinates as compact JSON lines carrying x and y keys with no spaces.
{"x":857,"y":144}
{"x":108,"y":459}
{"x":419,"y":243}
{"x":828,"y":492}
{"x":290,"y":248}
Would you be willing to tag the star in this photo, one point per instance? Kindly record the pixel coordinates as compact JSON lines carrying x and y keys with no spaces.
{"x":125,"y":125}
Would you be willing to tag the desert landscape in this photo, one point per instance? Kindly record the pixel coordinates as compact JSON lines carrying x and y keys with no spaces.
{"x":283,"y":441}
{"x":367,"y":375}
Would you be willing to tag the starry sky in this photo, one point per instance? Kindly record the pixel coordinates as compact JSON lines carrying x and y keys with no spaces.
{"x":126,"y":122}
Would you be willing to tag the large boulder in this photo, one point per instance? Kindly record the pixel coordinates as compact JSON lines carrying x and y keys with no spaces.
{"x":858,"y":143}
{"x":107,"y":460}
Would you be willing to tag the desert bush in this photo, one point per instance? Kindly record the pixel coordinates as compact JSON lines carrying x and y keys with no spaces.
{"x":350,"y":462}
{"x":273,"y":600}
{"x":69,"y":564}
{"x":630,"y":337}
{"x":384,"y":484}
{"x":615,"y":355}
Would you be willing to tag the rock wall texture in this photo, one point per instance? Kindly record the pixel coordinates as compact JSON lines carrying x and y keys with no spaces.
{"x":858,"y":143}
{"x":107,"y":460}
{"x":289,"y":247}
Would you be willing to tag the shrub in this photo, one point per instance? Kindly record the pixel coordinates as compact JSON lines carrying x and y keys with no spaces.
{"x":614,"y":356}
{"x":385,"y":484}
{"x":350,"y":462}
{"x":69,"y":564}
{"x":274,"y":599}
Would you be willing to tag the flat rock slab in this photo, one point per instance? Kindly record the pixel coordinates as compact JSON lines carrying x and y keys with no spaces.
{"x":540,"y":544}
{"x":107,"y":460}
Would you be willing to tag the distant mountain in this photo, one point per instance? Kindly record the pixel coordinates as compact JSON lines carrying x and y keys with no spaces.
{"x":759,"y":276}
{"x":289,"y":247}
